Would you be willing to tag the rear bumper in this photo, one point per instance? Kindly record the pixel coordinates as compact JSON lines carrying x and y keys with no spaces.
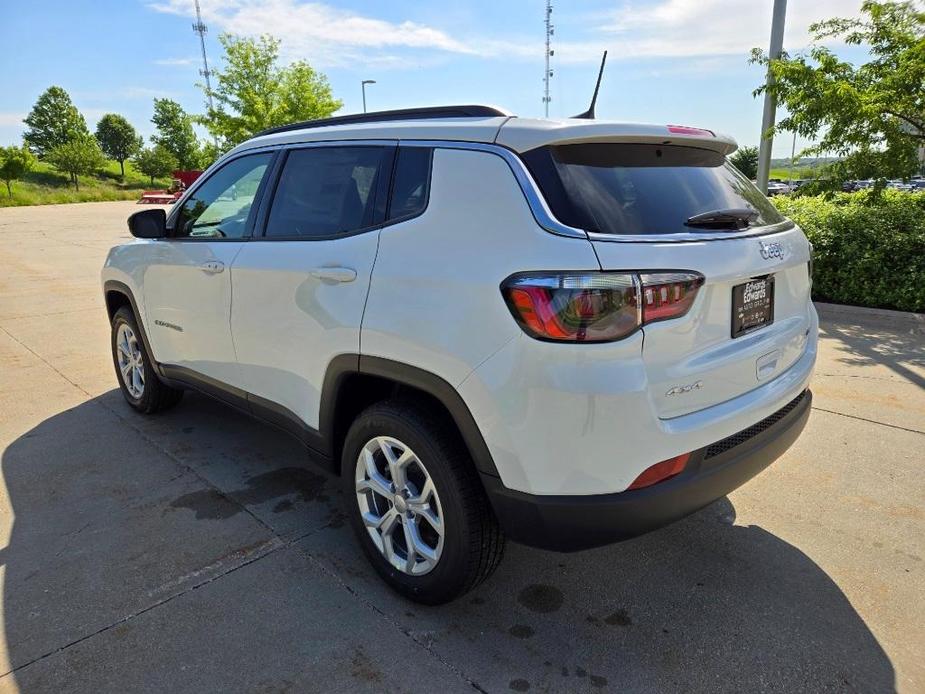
{"x":571,"y":523}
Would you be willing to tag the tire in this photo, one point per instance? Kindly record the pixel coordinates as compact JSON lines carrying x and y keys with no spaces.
{"x":472,"y":542}
{"x":154,"y":395}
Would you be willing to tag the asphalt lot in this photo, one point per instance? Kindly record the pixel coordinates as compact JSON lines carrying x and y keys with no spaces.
{"x":199,"y":551}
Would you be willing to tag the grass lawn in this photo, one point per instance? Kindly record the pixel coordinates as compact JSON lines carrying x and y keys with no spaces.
{"x":783,"y":173}
{"x":45,"y":185}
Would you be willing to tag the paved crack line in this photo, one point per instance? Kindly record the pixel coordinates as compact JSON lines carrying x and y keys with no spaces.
{"x":407,"y":632}
{"x":872,"y":421}
{"x":272,"y":550}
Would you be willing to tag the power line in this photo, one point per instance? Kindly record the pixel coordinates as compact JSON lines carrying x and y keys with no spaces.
{"x":550,"y":30}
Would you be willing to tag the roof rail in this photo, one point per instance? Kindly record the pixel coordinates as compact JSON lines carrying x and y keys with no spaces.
{"x":465,"y":111}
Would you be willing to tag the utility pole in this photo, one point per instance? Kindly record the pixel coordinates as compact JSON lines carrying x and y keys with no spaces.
{"x":550,"y":30}
{"x":770,"y":102}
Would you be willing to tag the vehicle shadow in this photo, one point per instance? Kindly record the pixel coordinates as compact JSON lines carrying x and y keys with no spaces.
{"x":103,"y":521}
{"x":897,"y":344}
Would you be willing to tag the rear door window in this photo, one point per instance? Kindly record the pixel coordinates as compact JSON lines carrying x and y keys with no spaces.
{"x":327,"y":191}
{"x":411,"y":183}
{"x":642,"y":189}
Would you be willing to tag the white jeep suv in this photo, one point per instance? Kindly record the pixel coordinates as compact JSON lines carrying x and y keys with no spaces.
{"x":565,"y":333}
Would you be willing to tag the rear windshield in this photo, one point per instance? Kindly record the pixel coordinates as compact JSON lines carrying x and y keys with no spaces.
{"x":641,"y":189}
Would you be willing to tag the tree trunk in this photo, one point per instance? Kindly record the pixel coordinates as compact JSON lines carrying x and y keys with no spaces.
{"x":122,"y":166}
{"x":76,"y":182}
{"x":9,"y":189}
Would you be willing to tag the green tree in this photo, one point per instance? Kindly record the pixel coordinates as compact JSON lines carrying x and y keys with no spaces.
{"x":175,"y":133}
{"x":872,"y":115}
{"x":79,"y":157}
{"x":155,"y":162}
{"x":117,"y":138}
{"x":15,"y":162}
{"x":53,"y":121}
{"x":745,"y":160}
{"x":253,"y":92}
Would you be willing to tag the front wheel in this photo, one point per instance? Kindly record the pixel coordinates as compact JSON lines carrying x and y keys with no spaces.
{"x":141,"y":387}
{"x":416,"y":504}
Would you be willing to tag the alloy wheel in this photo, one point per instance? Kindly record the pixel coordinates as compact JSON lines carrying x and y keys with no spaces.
{"x":131,"y":361}
{"x":399,"y":504}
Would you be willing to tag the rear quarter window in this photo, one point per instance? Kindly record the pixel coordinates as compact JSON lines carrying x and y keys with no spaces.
{"x":641,"y":189}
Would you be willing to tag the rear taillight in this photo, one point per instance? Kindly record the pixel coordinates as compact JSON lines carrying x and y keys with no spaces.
{"x":596,"y":306}
{"x":661,"y":471}
{"x":668,"y":295}
{"x":809,"y":266}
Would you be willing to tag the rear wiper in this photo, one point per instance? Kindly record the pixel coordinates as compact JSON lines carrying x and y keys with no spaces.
{"x":729,"y":218}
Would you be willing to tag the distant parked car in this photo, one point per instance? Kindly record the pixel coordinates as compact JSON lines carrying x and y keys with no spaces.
{"x":778,"y":188}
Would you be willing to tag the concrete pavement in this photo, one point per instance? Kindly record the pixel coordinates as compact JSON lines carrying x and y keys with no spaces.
{"x":199,"y":551}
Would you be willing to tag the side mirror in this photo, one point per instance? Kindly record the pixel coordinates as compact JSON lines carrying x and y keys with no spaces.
{"x":148,"y":224}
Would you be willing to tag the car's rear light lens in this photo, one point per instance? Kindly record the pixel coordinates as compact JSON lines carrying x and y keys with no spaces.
{"x":668,"y":294}
{"x":574,"y":307}
{"x":596,"y":306}
{"x":688,"y":130}
{"x":661,"y":471}
{"x":809,"y":266}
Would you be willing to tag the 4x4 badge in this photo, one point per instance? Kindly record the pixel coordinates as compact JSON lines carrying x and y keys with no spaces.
{"x":680,"y":390}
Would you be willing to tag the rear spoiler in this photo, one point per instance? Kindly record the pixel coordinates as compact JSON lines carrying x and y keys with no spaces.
{"x":524,"y":134}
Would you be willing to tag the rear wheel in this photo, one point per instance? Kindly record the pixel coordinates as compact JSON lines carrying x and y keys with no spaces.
{"x":416,"y":503}
{"x":138,"y":380}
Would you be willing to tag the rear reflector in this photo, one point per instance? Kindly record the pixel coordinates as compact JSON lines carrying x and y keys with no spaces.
{"x":660,"y":472}
{"x":596,"y":306}
{"x":687,"y":130}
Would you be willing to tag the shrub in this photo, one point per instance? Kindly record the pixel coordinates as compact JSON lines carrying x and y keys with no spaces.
{"x":869,"y":249}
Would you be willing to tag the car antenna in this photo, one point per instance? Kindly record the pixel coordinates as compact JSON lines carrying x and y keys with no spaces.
{"x":589,"y":114}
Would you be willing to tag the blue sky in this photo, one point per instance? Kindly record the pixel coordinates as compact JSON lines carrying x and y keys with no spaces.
{"x":671,"y":61}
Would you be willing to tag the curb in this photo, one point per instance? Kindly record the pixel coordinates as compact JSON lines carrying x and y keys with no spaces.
{"x":841,"y":312}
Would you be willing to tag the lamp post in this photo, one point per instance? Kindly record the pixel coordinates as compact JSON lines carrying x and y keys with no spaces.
{"x":363,"y":86}
{"x":770,"y":103}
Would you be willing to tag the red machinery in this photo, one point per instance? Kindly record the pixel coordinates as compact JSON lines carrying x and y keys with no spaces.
{"x":181,"y":181}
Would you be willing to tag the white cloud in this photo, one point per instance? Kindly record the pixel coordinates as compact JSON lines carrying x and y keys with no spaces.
{"x":175,"y":61}
{"x":323,"y":34}
{"x":686,"y":28}
{"x":11,"y":120}
{"x":329,"y":36}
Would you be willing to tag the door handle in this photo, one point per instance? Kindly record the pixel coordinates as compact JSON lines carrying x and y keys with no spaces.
{"x":334,"y":274}
{"x":213,"y":267}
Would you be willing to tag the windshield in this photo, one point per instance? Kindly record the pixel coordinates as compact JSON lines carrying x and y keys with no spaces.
{"x":642,"y":189}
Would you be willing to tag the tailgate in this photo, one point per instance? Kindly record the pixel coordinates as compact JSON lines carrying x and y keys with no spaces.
{"x":694,"y":361}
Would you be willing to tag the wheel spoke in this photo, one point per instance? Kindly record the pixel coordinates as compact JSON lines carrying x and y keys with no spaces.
{"x":395,"y":470}
{"x":126,"y":368}
{"x":375,"y":482}
{"x":384,"y":523}
{"x":410,"y":558}
{"x":421,"y":548}
{"x":421,"y":500}
{"x":431,"y":517}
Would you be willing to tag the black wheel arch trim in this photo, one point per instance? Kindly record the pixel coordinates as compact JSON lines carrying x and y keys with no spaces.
{"x":125,"y":290}
{"x":441,"y":390}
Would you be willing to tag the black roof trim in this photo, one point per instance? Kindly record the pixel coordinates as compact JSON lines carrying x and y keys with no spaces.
{"x":465,"y":111}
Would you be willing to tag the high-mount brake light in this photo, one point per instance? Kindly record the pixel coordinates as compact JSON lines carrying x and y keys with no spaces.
{"x":688,"y":130}
{"x":596,"y":306}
